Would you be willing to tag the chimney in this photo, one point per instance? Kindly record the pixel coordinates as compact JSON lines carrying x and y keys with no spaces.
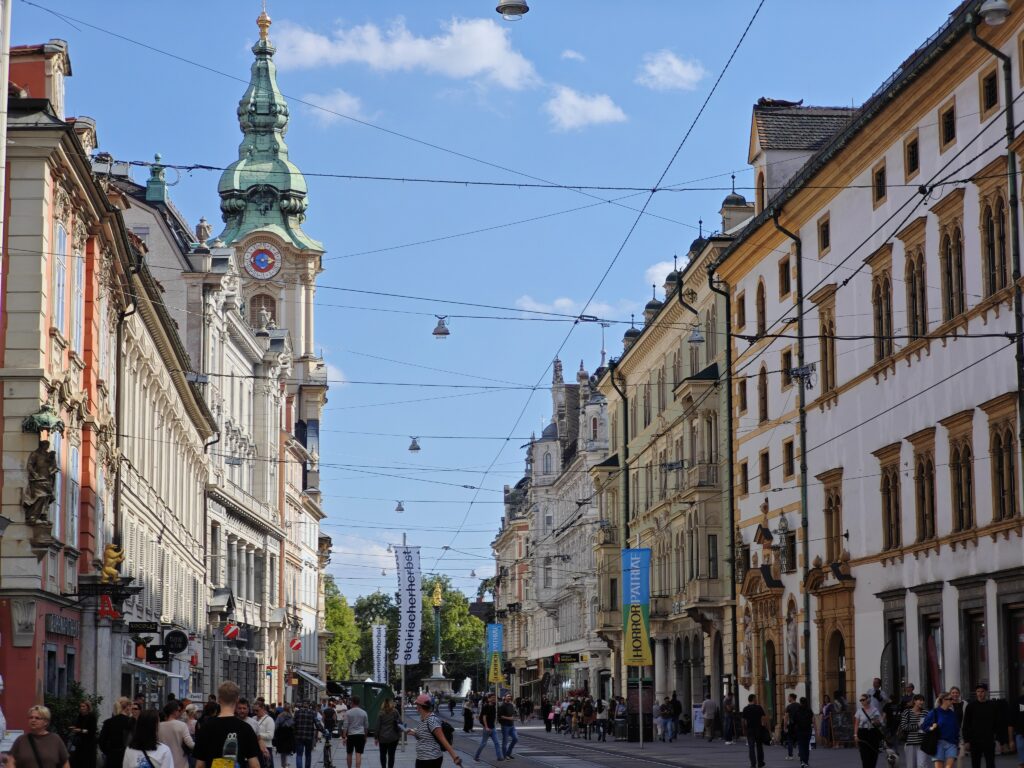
{"x":156,"y":187}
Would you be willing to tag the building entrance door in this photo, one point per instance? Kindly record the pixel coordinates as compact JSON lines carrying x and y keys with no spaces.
{"x":835,"y":666}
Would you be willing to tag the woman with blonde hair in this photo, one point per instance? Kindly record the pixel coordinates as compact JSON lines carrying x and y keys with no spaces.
{"x":117,"y":732}
{"x":37,"y":747}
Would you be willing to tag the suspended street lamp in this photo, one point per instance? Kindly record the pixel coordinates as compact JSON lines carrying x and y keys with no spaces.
{"x":441,"y":331}
{"x":513,"y":11}
{"x":399,"y":507}
{"x":696,"y":337}
{"x":994,"y":12}
{"x":414,"y":446}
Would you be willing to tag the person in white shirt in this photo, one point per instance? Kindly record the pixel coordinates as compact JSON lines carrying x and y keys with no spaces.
{"x":145,"y":750}
{"x":174,"y":733}
{"x":265,"y":733}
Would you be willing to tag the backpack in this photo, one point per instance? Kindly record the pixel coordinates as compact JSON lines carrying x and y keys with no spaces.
{"x":600,"y":706}
{"x":330,"y":718}
{"x":448,"y":731}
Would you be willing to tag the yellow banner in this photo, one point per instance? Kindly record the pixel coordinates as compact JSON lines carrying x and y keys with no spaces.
{"x":494,"y":674}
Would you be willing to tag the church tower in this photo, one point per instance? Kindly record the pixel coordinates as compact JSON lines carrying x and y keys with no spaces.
{"x":263,"y":205}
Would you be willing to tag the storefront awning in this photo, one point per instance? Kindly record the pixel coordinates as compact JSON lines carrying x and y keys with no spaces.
{"x":311,"y":679}
{"x":154,"y":670}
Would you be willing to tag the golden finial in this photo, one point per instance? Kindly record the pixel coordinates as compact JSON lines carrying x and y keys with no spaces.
{"x":437,"y":595}
{"x":263,"y":22}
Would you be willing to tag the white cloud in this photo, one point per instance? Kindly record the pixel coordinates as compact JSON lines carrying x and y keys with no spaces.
{"x":572,"y":55}
{"x":337,"y":101}
{"x":570,"y":110}
{"x":664,"y":71}
{"x":335,"y":376}
{"x":656,"y":273}
{"x":567,"y":306}
{"x":466,"y":49}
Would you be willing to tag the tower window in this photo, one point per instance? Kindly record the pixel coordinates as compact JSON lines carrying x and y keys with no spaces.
{"x":259,"y":303}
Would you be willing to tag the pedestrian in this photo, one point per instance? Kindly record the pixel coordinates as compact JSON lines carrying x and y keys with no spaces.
{"x":1017,"y":729}
{"x":430,"y":741}
{"x":677,"y":711}
{"x":116,"y":733}
{"x":867,"y":731}
{"x":284,"y":735}
{"x":467,"y":715}
{"x":728,"y":718}
{"x":657,"y":722}
{"x":803,"y":729}
{"x":265,"y":727}
{"x":909,"y":733}
{"x":306,"y":727}
{"x":546,"y":713}
{"x":957,"y":701}
{"x":389,"y":732}
{"x":787,"y":725}
{"x":709,"y":711}
{"x":357,"y":723}
{"x":507,"y":720}
{"x":227,"y":731}
{"x":38,"y":747}
{"x":174,"y":733}
{"x":488,"y":722}
{"x":668,"y":731}
{"x":979,"y":728}
{"x":943,"y":719}
{"x":755,"y":726}
{"x":601,"y":710}
{"x":825,"y":726}
{"x":589,"y":717}
{"x":145,"y":749}
{"x":82,"y":745}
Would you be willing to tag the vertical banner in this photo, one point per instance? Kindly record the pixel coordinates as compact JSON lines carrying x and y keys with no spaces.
{"x":495,"y":647}
{"x":636,"y":606}
{"x":407,"y":560}
{"x":380,"y":667}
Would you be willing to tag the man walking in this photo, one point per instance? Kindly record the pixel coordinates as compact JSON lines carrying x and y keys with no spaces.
{"x":788,"y":723}
{"x":507,"y":719}
{"x":357,"y":722}
{"x":709,"y":710}
{"x":755,"y":723}
{"x":265,"y":733}
{"x":979,"y":728}
{"x":227,"y":735}
{"x":488,"y":717}
{"x":306,"y":726}
{"x":728,"y":719}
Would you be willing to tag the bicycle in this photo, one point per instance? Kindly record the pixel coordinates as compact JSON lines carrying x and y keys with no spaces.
{"x":328,"y":760}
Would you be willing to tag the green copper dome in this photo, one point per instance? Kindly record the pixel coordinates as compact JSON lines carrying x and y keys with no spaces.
{"x":263,"y":190}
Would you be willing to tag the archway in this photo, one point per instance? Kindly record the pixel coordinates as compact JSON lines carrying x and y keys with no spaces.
{"x":835,"y":665}
{"x":686,"y":691}
{"x":769,"y":677}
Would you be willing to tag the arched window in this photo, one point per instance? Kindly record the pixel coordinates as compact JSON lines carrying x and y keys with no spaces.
{"x":891,"y":538}
{"x":761,"y":195}
{"x":833,"y":526}
{"x":924,"y":497}
{"x":762,"y":321}
{"x":593,"y":428}
{"x":762,"y":395}
{"x":711,"y":334}
{"x":988,"y":244}
{"x":1001,"y":276}
{"x":958,"y":271}
{"x":259,"y":303}
{"x":547,"y":463}
{"x":912,"y":294}
{"x":961,"y":468}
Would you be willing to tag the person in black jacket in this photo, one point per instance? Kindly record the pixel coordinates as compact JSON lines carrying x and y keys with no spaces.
{"x":83,"y":737}
{"x":117,"y":731}
{"x":979,"y":728}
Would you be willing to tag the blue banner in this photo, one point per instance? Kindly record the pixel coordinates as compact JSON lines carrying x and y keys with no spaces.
{"x":495,"y":638}
{"x":636,"y":607}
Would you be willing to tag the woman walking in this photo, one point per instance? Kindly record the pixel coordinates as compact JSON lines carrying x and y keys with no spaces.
{"x":389,"y":732}
{"x":37,"y":747}
{"x":430,"y":741}
{"x":468,"y":714}
{"x":83,"y":737}
{"x":909,"y":732}
{"x":943,"y":719}
{"x":284,"y":735}
{"x":867,"y":731}
{"x":145,"y":749}
{"x":825,"y":727}
{"x":116,"y":733}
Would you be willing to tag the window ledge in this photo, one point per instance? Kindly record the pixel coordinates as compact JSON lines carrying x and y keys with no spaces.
{"x":961,"y":538}
{"x":884,"y":368}
{"x":915,"y":349}
{"x":951,"y":326}
{"x":994,"y":302}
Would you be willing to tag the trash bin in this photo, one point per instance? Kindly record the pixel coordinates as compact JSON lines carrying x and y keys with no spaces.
{"x":621,"y":733}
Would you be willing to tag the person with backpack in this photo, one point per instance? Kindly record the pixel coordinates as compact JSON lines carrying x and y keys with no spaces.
{"x":145,"y":749}
{"x":116,"y":733}
{"x":601,"y":710}
{"x":226,"y":741}
{"x":432,"y":740}
{"x":330,"y":716}
{"x":38,"y":747}
{"x":589,"y":716}
{"x":389,"y":732}
{"x":284,"y":735}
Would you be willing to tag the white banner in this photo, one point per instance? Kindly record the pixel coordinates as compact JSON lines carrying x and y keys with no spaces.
{"x":409,"y":605}
{"x":380,"y":668}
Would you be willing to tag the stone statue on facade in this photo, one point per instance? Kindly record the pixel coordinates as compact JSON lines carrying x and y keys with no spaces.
{"x":748,"y":645}
{"x":42,"y":474}
{"x":792,"y":645}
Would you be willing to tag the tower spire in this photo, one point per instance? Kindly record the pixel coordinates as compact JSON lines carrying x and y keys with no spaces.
{"x":264,"y":22}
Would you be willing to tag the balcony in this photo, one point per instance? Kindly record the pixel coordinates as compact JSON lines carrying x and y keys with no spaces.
{"x":703,"y":474}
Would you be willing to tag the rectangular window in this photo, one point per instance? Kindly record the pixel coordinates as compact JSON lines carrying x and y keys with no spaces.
{"x":824,"y":235}
{"x":712,"y":556}
{"x":947,"y":125}
{"x":78,"y":305}
{"x":911,"y":156}
{"x":879,"y":188}
{"x":58,"y":489}
{"x":784,"y":278}
{"x":744,"y":478}
{"x":613,"y":594}
{"x":788,"y":459}
{"x":988,"y":92}
{"x":789,"y":547}
{"x":74,"y":498}
{"x":51,"y":671}
{"x":60,"y":277}
{"x":741,"y":394}
{"x":787,"y":367}
{"x":765,"y":473}
{"x":741,"y":310}
{"x":70,"y":658}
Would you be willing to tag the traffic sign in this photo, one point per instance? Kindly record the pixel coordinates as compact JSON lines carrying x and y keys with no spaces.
{"x":494,"y":675}
{"x":295,"y":644}
{"x":231,"y":631}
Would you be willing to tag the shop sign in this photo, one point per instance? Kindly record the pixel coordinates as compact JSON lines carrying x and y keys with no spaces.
{"x":143,"y":626}
{"x":62,"y":625}
{"x":566,"y":658}
{"x":176,"y":641}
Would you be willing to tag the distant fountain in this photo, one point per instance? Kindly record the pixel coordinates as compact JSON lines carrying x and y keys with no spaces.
{"x":466,"y":687}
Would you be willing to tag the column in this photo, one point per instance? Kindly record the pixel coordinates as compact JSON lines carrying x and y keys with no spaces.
{"x":233,"y":565}
{"x":660,"y":663}
{"x":250,"y":564}
{"x":308,"y":340}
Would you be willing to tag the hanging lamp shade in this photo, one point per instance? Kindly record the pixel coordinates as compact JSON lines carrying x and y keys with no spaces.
{"x":414,"y":446}
{"x":696,"y":337}
{"x":399,"y":507}
{"x":994,"y":12}
{"x":513,"y":11}
{"x":441,"y":329}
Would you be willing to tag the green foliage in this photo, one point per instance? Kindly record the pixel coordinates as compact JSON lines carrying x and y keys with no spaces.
{"x":343,"y":647}
{"x":377,"y":608}
{"x":64,"y":709}
{"x":487,"y":586}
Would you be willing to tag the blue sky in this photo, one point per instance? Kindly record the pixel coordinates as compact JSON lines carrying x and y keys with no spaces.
{"x":595,"y":93}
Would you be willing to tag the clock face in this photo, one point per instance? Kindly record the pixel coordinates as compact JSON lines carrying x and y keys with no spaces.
{"x":262,"y":261}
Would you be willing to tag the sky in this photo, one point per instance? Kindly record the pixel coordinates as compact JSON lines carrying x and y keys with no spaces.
{"x":596,"y":93}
